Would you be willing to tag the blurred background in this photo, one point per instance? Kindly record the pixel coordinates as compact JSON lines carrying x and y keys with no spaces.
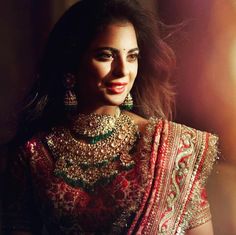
{"x":205,"y":45}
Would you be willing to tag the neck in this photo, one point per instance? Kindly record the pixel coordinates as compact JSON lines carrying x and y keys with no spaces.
{"x":104,"y":109}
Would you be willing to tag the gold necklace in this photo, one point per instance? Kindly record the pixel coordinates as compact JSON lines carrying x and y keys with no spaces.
{"x":84,"y":164}
{"x":92,"y":125}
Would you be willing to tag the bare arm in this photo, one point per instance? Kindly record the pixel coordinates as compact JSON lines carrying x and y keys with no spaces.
{"x":204,"y":229}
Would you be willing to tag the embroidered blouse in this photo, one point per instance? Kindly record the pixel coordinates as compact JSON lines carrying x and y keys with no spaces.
{"x":164,"y":193}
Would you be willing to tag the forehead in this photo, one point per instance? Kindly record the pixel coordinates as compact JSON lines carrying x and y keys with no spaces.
{"x":118,"y":35}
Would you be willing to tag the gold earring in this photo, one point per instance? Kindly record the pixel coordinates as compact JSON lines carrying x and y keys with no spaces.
{"x":128,"y":103}
{"x":70,"y":99}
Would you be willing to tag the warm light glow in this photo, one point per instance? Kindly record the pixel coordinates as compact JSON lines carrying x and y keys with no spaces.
{"x":233,"y":61}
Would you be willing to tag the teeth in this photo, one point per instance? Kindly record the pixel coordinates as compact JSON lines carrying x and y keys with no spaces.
{"x":119,"y":87}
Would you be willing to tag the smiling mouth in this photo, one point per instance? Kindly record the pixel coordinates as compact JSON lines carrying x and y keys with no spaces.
{"x":116,"y":87}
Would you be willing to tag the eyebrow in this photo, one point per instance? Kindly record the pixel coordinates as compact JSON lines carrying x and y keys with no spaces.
{"x":114,"y":50}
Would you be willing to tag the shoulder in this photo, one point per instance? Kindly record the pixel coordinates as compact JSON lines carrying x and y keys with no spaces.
{"x":202,"y":141}
{"x":138,"y":120}
{"x":189,"y":147}
{"x":183,"y":132}
{"x":178,"y":133}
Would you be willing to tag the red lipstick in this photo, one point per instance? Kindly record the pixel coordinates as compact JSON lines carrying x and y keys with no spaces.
{"x":116,"y":87}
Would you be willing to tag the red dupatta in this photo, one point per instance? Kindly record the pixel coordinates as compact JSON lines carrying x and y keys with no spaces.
{"x":175,"y":198}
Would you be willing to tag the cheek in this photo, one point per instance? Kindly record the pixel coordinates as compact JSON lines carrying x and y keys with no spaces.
{"x":134,"y":72}
{"x":99,"y":70}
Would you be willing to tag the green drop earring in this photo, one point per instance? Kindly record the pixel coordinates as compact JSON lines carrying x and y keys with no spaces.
{"x":128,"y":103}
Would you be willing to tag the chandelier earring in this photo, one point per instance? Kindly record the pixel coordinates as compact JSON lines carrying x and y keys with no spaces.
{"x":70,"y":99}
{"x":128,"y":103}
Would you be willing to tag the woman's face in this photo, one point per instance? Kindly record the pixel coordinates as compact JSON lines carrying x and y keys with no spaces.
{"x":110,"y":66}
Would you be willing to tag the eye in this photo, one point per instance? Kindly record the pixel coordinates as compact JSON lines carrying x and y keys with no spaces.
{"x":104,"y":56}
{"x":132,"y":57}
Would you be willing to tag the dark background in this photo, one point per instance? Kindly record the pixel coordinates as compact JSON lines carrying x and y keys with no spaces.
{"x":205,"y":44}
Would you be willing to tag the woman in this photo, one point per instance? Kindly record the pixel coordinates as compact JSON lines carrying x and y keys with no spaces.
{"x":94,"y":169}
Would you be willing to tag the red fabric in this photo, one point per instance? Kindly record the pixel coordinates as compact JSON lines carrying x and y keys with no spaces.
{"x":151,"y":197}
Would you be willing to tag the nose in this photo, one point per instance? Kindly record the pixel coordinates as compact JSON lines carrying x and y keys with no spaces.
{"x":120,"y":68}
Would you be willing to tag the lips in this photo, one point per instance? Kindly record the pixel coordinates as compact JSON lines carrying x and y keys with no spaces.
{"x":116,"y":87}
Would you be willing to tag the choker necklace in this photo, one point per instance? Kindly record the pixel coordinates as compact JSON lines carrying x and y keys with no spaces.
{"x":92,"y":125}
{"x":86,"y":164}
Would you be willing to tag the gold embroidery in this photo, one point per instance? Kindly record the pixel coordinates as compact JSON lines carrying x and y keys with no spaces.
{"x":191,"y":150}
{"x":86,"y":164}
{"x":211,"y":157}
{"x":183,"y":161}
{"x":197,"y":211}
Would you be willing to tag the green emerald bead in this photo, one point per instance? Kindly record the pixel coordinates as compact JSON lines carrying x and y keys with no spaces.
{"x":95,"y":139}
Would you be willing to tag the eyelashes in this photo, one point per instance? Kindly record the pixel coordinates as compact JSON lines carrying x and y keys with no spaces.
{"x":104,"y":56}
{"x":133,"y":57}
{"x":109,"y":56}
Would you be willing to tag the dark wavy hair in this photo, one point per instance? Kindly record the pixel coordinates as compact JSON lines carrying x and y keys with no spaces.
{"x":70,"y":38}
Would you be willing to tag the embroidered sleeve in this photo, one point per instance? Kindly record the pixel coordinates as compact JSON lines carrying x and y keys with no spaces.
{"x":18,"y":208}
{"x":198,"y":206}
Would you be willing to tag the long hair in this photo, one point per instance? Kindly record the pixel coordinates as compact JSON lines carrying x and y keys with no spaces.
{"x":72,"y":36}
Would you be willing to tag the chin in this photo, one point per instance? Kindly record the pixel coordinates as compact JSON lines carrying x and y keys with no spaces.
{"x":115,"y":100}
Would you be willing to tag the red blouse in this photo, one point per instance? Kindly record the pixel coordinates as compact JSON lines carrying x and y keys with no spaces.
{"x":37,"y":200}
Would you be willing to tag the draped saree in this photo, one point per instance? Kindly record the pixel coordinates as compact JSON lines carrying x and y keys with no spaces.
{"x":163,"y":194}
{"x":175,"y":196}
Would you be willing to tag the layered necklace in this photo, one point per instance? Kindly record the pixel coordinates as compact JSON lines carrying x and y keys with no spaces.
{"x":94,"y":149}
